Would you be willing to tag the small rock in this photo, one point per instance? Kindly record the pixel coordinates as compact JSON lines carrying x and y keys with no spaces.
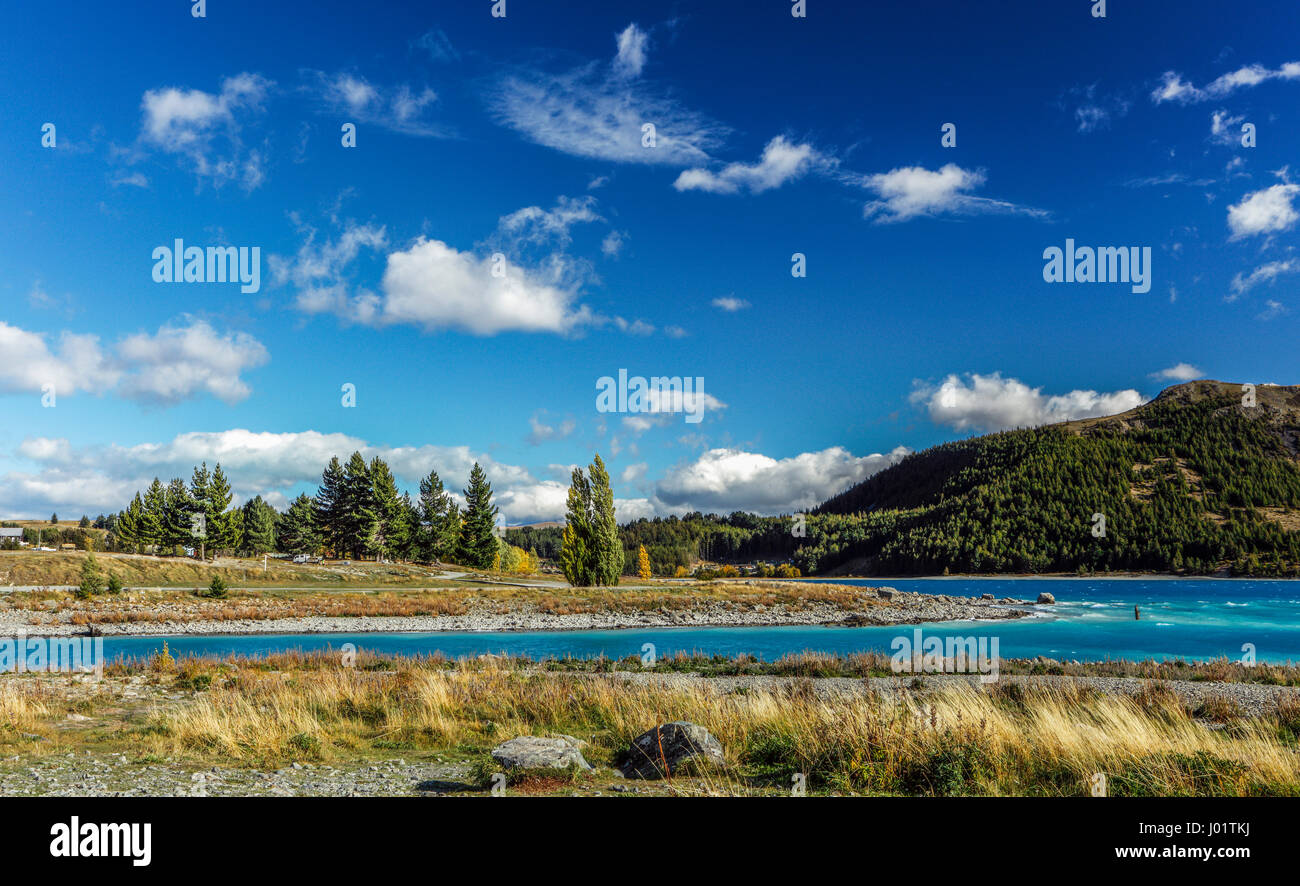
{"x":670,"y":745}
{"x":1045,"y":597}
{"x":532,"y":752}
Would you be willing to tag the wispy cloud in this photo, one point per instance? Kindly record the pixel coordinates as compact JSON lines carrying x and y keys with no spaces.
{"x":600,"y":110}
{"x":401,"y":108}
{"x":1173,"y":88}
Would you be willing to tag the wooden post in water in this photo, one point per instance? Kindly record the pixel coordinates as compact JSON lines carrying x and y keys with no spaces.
{"x":1137,"y":613}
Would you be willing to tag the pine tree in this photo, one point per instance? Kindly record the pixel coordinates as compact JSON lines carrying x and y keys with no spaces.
{"x":438,"y":529}
{"x":643,"y":569}
{"x":478,"y":541}
{"x":199,"y":492}
{"x":388,"y":536}
{"x":178,"y":508}
{"x":154,"y":515}
{"x":92,"y":582}
{"x":576,"y":560}
{"x":224,"y":526}
{"x":327,"y":508}
{"x":358,"y":512}
{"x":296,"y":529}
{"x":127,"y":527}
{"x":259,"y":527}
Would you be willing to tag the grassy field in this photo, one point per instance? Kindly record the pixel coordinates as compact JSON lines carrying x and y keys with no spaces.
{"x":35,"y":568}
{"x":928,"y":740}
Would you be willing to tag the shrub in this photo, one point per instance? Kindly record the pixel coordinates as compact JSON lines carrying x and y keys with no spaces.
{"x":215,"y":591}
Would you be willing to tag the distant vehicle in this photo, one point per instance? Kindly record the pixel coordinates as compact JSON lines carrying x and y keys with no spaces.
{"x":302,"y":558}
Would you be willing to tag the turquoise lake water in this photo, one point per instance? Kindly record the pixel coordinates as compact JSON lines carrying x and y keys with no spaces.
{"x":1092,"y":620}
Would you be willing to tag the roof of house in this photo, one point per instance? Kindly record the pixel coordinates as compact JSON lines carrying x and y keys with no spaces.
{"x":6,"y":532}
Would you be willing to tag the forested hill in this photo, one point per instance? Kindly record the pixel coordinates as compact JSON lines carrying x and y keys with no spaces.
{"x":1197,"y":480}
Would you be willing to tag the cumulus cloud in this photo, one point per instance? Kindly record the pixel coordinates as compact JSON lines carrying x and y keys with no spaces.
{"x":28,"y":363}
{"x":992,"y":403}
{"x":1173,"y":88}
{"x":724,"y":480}
{"x":205,"y":127}
{"x":1179,"y":372}
{"x":598,"y":110}
{"x":436,"y":286}
{"x":519,"y":280}
{"x":782,"y":161}
{"x":400,"y":108}
{"x":1266,"y":211}
{"x":180,"y":361}
{"x":911,"y":191}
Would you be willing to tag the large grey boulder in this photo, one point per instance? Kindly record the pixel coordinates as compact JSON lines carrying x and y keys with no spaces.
{"x":664,"y":750}
{"x":531,"y":752}
{"x":1045,"y":597}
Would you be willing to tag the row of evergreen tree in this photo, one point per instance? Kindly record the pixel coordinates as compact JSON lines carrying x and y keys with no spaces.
{"x":357,"y":512}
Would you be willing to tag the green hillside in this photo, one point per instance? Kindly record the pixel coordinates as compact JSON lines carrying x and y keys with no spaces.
{"x":1193,"y":481}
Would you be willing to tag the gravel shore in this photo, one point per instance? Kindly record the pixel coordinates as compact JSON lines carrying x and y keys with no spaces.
{"x":880,"y":606}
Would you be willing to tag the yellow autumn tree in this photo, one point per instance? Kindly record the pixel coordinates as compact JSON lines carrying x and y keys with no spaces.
{"x":643,"y":564}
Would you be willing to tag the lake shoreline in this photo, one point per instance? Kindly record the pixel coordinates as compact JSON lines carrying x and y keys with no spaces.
{"x":875,"y":607}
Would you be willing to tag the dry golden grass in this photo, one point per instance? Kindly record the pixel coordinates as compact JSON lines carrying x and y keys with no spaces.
{"x":24,"y":707}
{"x":956,"y":739}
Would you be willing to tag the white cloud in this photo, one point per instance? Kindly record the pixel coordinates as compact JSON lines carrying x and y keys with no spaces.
{"x":632,"y":45}
{"x":535,"y":225}
{"x":276,"y":466}
{"x":1225,"y":129}
{"x":1179,"y":372}
{"x":436,"y":286}
{"x":1272,"y":309}
{"x":180,"y":362}
{"x":598,"y":111}
{"x":319,"y":270}
{"x":911,"y":191}
{"x":612,"y":245}
{"x":1265,"y":273}
{"x":782,"y":161}
{"x":177,"y":363}
{"x":401,"y":108}
{"x":1174,"y":88}
{"x":724,"y":480}
{"x":192,"y":122}
{"x":1265,"y":211}
{"x":730,"y":304}
{"x":992,"y":403}
{"x":28,"y":363}
{"x":541,"y":432}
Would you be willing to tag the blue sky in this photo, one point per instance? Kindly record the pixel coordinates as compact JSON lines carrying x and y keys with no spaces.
{"x":924,"y":314}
